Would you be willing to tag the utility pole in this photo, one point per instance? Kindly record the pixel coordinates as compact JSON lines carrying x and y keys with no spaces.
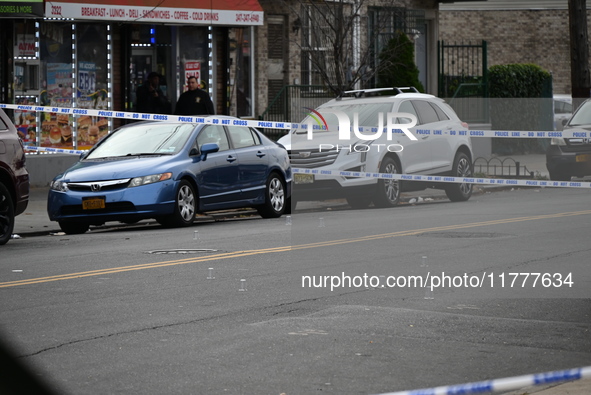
{"x":579,"y":51}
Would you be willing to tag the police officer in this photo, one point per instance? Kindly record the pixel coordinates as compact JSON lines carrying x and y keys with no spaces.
{"x":195,"y":101}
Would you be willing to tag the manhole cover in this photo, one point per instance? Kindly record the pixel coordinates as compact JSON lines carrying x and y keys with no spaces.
{"x":181,"y":251}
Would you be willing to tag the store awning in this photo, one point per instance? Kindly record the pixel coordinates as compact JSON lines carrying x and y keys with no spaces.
{"x":21,"y":9}
{"x":196,"y":12}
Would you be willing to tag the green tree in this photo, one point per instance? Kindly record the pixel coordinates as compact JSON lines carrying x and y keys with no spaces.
{"x":397,"y":60}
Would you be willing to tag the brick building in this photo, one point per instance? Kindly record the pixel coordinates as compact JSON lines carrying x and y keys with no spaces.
{"x":516,"y":31}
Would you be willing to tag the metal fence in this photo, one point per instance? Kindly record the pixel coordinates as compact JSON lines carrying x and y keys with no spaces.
{"x":290,"y":105}
{"x":463,"y":81}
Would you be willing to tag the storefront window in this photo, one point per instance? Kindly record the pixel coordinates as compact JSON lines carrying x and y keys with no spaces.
{"x":241,"y":73}
{"x":56,"y":83}
{"x":194,"y":55}
{"x":26,"y":84}
{"x":92,"y":82}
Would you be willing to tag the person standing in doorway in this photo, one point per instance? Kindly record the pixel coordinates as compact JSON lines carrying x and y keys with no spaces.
{"x":195,"y":101}
{"x":150,"y":98}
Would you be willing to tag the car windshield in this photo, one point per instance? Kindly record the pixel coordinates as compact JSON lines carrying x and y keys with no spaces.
{"x":148,"y":139}
{"x":582,"y":116}
{"x":368,"y":115}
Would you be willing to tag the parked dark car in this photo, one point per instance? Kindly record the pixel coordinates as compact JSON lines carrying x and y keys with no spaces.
{"x":14,"y":178}
{"x":170,"y":172}
{"x":571,"y":157}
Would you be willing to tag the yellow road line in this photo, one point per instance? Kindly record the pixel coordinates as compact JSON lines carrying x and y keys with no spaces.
{"x":238,"y":254}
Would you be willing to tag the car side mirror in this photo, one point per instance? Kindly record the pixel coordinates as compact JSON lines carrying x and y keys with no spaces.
{"x":208,"y":148}
{"x":564,"y":121}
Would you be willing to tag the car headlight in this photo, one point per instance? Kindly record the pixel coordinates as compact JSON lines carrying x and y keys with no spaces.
{"x":59,"y":186}
{"x":137,"y":181}
{"x":557,"y":141}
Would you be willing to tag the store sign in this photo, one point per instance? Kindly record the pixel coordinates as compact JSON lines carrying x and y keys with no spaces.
{"x":225,"y":12}
{"x":193,"y":69}
{"x":24,"y":46}
{"x":21,"y":8}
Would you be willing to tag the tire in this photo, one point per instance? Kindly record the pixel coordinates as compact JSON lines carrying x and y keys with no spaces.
{"x":388,"y":191}
{"x":559,"y":176}
{"x":275,"y":201}
{"x":462,"y":168}
{"x":185,"y":207}
{"x":359,"y":202}
{"x":6,"y":215}
{"x":73,"y":228}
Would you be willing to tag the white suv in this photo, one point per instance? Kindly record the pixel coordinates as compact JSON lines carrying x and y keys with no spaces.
{"x":435,"y":153}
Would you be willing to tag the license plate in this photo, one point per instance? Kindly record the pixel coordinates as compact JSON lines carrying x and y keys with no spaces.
{"x":583,"y":158}
{"x":303,"y":178}
{"x":93,"y":203}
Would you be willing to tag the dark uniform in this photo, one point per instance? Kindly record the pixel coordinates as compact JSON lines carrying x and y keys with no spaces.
{"x":150,"y":99}
{"x":195,"y":102}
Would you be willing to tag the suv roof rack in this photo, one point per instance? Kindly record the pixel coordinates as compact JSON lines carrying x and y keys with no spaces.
{"x":364,"y":92}
{"x":411,"y":88}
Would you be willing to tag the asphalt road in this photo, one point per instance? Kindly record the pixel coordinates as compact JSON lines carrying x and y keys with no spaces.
{"x":126,"y":311}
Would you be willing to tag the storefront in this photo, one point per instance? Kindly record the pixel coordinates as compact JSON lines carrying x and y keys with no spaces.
{"x":95,"y":56}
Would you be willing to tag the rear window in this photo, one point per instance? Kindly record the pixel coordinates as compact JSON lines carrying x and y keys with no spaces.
{"x":440,"y":114}
{"x":427,"y":113}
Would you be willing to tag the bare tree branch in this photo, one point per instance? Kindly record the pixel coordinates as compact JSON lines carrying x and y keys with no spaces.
{"x":342,"y":41}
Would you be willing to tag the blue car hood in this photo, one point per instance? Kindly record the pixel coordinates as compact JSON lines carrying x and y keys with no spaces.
{"x":113,"y":169}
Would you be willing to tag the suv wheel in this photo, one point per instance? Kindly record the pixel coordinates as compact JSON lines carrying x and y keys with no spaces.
{"x":359,"y":202}
{"x":388,"y":192}
{"x":559,"y":176}
{"x":73,"y":228}
{"x":6,"y":215}
{"x":462,"y":168}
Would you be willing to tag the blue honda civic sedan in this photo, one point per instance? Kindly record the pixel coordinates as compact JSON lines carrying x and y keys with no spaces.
{"x":170,"y":172}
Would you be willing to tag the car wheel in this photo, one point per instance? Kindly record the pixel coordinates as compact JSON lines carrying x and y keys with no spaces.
{"x":6,"y":215}
{"x":462,"y":168}
{"x":275,"y":202}
{"x":559,"y":176}
{"x":73,"y":228}
{"x":388,"y":192}
{"x":185,"y":206}
{"x":359,"y":202}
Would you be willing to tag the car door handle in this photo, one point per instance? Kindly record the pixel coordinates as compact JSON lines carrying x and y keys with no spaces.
{"x":231,"y":158}
{"x":260,"y":154}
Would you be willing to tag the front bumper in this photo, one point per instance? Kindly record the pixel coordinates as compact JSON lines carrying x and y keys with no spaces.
{"x":125,"y":204}
{"x":577,"y":163}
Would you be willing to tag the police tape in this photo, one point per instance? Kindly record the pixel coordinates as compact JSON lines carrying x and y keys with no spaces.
{"x":213,"y":120}
{"x":435,"y":179}
{"x":389,"y":176}
{"x":401,"y":177}
{"x":54,"y":150}
{"x":504,"y":384}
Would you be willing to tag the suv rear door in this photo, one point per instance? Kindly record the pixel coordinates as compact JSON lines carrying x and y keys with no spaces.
{"x":433,"y":118}
{"x":416,"y":156}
